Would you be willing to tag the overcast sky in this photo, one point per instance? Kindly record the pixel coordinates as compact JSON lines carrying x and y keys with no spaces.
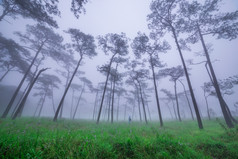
{"x":129,"y":16}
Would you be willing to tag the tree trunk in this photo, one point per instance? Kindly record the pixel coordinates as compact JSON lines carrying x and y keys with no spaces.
{"x":95,"y":104}
{"x":174,"y":111}
{"x":200,"y":125}
{"x":109,"y":103}
{"x":72,"y":104}
{"x":67,"y":81}
{"x":176,"y":98}
{"x":38,"y":105}
{"x":4,"y":75}
{"x":66,"y":90}
{"x":80,"y":96}
{"x":105,"y":87}
{"x":138,"y":100}
{"x":43,"y":101}
{"x":156,"y":94}
{"x":118,"y":101}
{"x":9,"y":106}
{"x":113,"y":92}
{"x":215,"y":83}
{"x":22,"y":104}
{"x":52,"y":99}
{"x":186,"y":95}
{"x":143,"y":104}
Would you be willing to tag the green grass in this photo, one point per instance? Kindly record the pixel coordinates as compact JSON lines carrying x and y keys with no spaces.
{"x":42,"y":138}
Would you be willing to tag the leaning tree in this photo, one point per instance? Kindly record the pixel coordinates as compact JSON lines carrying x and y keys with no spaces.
{"x":142,"y":45}
{"x":84,"y":45}
{"x":164,"y":17}
{"x":174,"y":73}
{"x":115,"y":44}
{"x":41,"y":40}
{"x":207,"y":19}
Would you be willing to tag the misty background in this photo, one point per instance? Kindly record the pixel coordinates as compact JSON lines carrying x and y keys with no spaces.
{"x":129,"y":17}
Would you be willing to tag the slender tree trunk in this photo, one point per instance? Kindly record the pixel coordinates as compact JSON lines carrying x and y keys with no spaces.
{"x":72,"y":104}
{"x":147,"y":105}
{"x":42,"y":104}
{"x":156,"y":94}
{"x":105,"y":87}
{"x":138,"y":100}
{"x":109,"y":103}
{"x":66,"y":83}
{"x":125,"y":113}
{"x":80,"y":96}
{"x":186,"y":95}
{"x":22,"y":104}
{"x":38,"y":105}
{"x":200,"y":125}
{"x":4,"y":75}
{"x":143,"y":104}
{"x":170,"y":110}
{"x":52,"y":99}
{"x":215,"y":83}
{"x":176,"y":97}
{"x":9,"y":106}
{"x":66,"y":90}
{"x":113,"y":92}
{"x":208,"y":113}
{"x":174,"y":110}
{"x":95,"y":104}
{"x":118,"y":101}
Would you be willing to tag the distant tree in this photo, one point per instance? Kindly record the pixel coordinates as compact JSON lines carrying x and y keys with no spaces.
{"x":171,"y":98}
{"x":141,"y":45}
{"x":120,"y":92}
{"x":45,"y":88}
{"x":41,"y":40}
{"x":164,"y":18}
{"x":87,"y":83}
{"x":174,"y":73}
{"x":116,"y":45}
{"x":22,"y":104}
{"x":206,"y":19}
{"x":138,"y":77}
{"x":206,"y":93}
{"x":186,"y":92}
{"x":13,"y":57}
{"x":84,"y":45}
{"x":74,"y":87}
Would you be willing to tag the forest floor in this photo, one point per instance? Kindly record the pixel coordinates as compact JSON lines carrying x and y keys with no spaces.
{"x":43,"y":138}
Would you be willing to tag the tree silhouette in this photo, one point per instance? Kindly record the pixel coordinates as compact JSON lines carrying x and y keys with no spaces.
{"x":141,"y":45}
{"x":22,"y":104}
{"x":41,"y":40}
{"x":165,"y":18}
{"x":116,"y":44}
{"x":175,"y":73}
{"x":84,"y":45}
{"x":206,"y":19}
{"x":171,"y":97}
{"x":13,"y":57}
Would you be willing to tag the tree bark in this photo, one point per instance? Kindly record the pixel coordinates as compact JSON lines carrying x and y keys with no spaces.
{"x":200,"y":125}
{"x":22,"y":104}
{"x":215,"y":83}
{"x":66,"y":90}
{"x":156,"y":94}
{"x":9,"y":106}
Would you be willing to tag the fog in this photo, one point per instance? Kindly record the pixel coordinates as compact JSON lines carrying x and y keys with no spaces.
{"x":117,"y":16}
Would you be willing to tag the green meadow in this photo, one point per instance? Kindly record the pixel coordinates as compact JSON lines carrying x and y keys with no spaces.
{"x":43,"y":138}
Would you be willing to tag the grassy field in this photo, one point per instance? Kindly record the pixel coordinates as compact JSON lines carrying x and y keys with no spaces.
{"x":42,"y":138}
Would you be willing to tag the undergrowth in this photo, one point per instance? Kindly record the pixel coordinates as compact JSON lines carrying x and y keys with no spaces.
{"x":42,"y":138}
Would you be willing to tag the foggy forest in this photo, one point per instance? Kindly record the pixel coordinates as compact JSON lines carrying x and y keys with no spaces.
{"x":118,"y":79}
